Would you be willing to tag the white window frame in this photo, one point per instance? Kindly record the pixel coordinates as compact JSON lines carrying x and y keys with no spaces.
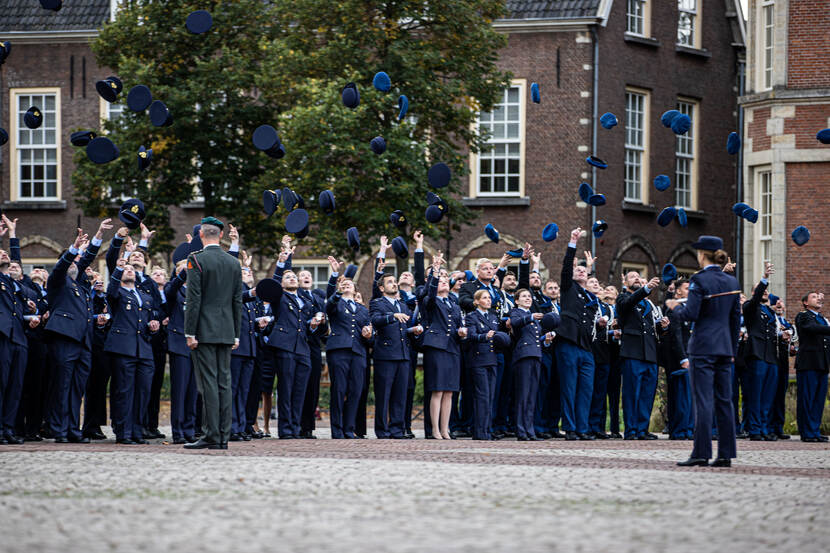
{"x":106,"y":111}
{"x":30,"y":263}
{"x":766,"y":53}
{"x":15,"y":149}
{"x":692,"y":10}
{"x":300,"y":264}
{"x":628,"y":266}
{"x":475,"y":159}
{"x":636,"y":166}
{"x":764,"y":186}
{"x":686,"y":158}
{"x":638,"y":18}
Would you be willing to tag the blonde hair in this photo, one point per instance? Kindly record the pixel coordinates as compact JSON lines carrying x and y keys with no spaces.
{"x":479,"y":293}
{"x":481,"y":262}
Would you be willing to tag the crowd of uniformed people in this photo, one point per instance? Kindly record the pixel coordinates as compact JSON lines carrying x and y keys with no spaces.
{"x":504,"y":354}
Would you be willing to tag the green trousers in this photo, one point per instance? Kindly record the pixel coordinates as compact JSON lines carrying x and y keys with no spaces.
{"x":212,"y":368}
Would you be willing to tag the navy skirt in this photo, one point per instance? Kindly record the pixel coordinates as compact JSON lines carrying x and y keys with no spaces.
{"x":442,"y":371}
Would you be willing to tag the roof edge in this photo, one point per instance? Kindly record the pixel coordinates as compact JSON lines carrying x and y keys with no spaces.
{"x":531,"y":25}
{"x":34,"y":37}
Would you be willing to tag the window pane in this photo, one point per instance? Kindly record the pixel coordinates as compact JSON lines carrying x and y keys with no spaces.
{"x":513,"y":184}
{"x":51,"y":172}
{"x":513,"y":95}
{"x":513,"y":166}
{"x":503,"y":158}
{"x":499,"y":166}
{"x":49,"y":103}
{"x":52,"y":189}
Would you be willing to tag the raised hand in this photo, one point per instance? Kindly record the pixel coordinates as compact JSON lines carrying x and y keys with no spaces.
{"x":105,"y":225}
{"x":769,"y":269}
{"x":384,"y":244}
{"x":335,"y":266}
{"x":146,"y":234}
{"x":11,"y":225}
{"x":589,"y":261}
{"x":129,"y":245}
{"x":124,"y":231}
{"x":189,"y":237}
{"x":730,"y":266}
{"x":418,"y":236}
{"x":536,"y":258}
{"x":233,"y":234}
{"x":381,"y":264}
{"x":79,"y":239}
{"x":527,"y":251}
{"x":286,"y":242}
{"x":653,"y":283}
{"x":575,"y":234}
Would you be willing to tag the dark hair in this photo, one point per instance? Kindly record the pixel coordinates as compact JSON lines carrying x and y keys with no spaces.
{"x":806,"y":296}
{"x":510,"y":272}
{"x":680,"y":282}
{"x":382,"y":279}
{"x":519,"y":293}
{"x":720,"y":256}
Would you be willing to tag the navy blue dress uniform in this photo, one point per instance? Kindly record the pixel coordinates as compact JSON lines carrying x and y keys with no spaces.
{"x":391,"y":357}
{"x":255,"y":389}
{"x":614,"y":391}
{"x":242,"y":364}
{"x":183,"y":390}
{"x":95,"y":399}
{"x":69,"y":329}
{"x":288,"y":343}
{"x":574,"y":358}
{"x":481,"y":357}
{"x":317,"y":304}
{"x":527,"y":362}
{"x":14,"y":347}
{"x":811,"y":364}
{"x":638,"y":350}
{"x":131,"y":355}
{"x":346,"y":351}
{"x":762,"y":363}
{"x":713,"y":306}
{"x":442,"y":350}
{"x":678,"y":382}
{"x":784,"y":351}
{"x":601,"y":349}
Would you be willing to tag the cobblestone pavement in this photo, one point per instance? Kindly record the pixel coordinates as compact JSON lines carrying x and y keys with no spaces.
{"x":414,"y":495}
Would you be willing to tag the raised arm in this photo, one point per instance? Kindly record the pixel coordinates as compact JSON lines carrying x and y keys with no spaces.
{"x":115,"y":248}
{"x":567,"y":278}
{"x":418,"y":270}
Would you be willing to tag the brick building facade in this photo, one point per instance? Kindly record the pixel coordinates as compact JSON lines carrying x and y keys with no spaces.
{"x":635,"y":58}
{"x":786,"y":172}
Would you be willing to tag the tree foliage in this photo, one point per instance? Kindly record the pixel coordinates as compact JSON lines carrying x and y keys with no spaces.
{"x":285,"y":63}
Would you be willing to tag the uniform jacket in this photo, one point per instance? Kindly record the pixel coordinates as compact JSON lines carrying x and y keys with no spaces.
{"x":717,"y":319}
{"x":175,"y":296}
{"x":13,"y":306}
{"x":345,"y":325}
{"x":468,"y":290}
{"x":70,"y":301}
{"x":480,"y":351}
{"x":578,"y":307}
{"x":391,"y":337}
{"x":248,"y":332}
{"x":813,"y":343}
{"x":761,"y":327}
{"x":441,"y":322}
{"x":601,"y":346}
{"x":639,"y":332}
{"x":129,"y":333}
{"x":527,"y":335}
{"x":214,"y":296}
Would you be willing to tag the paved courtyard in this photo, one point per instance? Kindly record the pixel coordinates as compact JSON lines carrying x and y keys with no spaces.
{"x":417,"y":495}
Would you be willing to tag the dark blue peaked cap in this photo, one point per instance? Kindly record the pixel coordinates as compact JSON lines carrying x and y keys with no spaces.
{"x":733,"y":143}
{"x":666,"y":216}
{"x":491,"y":232}
{"x":139,"y":98}
{"x":199,"y":22}
{"x":102,"y":150}
{"x":800,"y":235}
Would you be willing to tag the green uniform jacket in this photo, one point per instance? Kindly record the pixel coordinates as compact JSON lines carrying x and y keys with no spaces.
{"x":213,"y":312}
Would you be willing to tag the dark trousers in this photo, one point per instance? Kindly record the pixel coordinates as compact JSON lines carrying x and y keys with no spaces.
{"x":461,"y":415}
{"x":680,"y":409}
{"x":95,"y":400}
{"x":182,"y":396}
{"x":484,"y":388}
{"x":525,"y":390}
{"x":360,"y":418}
{"x":154,"y":399}
{"x":12,"y":372}
{"x":293,"y":371}
{"x":504,"y":395}
{"x":739,"y":387}
{"x":133,"y":379}
{"x":410,"y":393}
{"x":242,"y":368}
{"x":70,"y":362}
{"x":712,"y":389}
{"x":254,"y":393}
{"x":347,"y":370}
{"x":390,"y":382}
{"x":811,"y":393}
{"x":576,"y":385}
{"x":761,"y":382}
{"x":312,"y":392}
{"x":212,"y":368}
{"x":639,"y":379}
{"x":614,"y":389}
{"x":596,"y":420}
{"x":543,"y":419}
{"x":33,"y":399}
{"x":778,"y":413}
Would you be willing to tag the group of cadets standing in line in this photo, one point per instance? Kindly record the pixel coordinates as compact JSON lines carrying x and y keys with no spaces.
{"x":504,"y":354}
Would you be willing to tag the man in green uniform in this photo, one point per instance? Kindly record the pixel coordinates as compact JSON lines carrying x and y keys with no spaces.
{"x":212,"y":318}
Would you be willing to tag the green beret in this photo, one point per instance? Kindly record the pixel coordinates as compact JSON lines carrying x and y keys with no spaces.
{"x":213,"y":221}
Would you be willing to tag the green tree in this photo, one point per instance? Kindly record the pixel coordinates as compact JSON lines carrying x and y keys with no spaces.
{"x":285,"y":64}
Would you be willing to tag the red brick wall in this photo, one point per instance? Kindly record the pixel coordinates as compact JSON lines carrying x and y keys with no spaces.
{"x":808,"y":120}
{"x":807,"y":54}
{"x":757,"y":129}
{"x":807,"y":185}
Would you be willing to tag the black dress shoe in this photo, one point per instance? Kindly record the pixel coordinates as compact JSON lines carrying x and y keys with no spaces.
{"x":810,"y":440}
{"x":601,"y":436}
{"x":94,"y":434}
{"x":81,"y":440}
{"x":616,"y":436}
{"x":522,"y":439}
{"x":247,"y":437}
{"x":398,"y":437}
{"x":584,"y":437}
{"x":462,"y":433}
{"x":13,"y":440}
{"x":3,"y":441}
{"x":235,"y":438}
{"x":693,"y":462}
{"x":429,"y":437}
{"x":288,"y":437}
{"x":124,"y":441}
{"x":153,"y":434}
{"x":61,"y":440}
{"x":824,"y":439}
{"x":202,"y":444}
{"x":498,"y":435}
{"x":556,"y":434}
{"x":536,"y":439}
{"x":509,"y":434}
{"x":742,"y":435}
{"x":409,"y":435}
{"x":770,"y":438}
{"x":631,"y":437}
{"x":257,"y":435}
{"x":140,"y":441}
{"x":34,"y":438}
{"x":179,"y":441}
{"x":756,"y":438}
{"x":721,"y":462}
{"x":648,"y":436}
{"x":307,"y":436}
{"x":571,"y":436}
{"x":782,"y":436}
{"x":223,"y":445}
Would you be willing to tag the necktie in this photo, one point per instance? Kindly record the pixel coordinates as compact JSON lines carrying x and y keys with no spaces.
{"x":447,"y":303}
{"x":350,"y":303}
{"x":820,"y":319}
{"x":136,"y":296}
{"x":397,"y":307}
